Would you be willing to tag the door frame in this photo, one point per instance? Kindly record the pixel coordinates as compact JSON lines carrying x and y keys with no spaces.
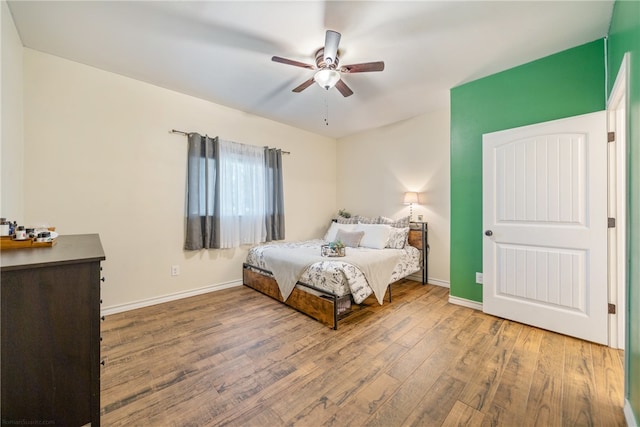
{"x":617,"y":110}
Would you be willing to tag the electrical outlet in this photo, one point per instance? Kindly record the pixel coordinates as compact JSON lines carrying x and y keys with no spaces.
{"x":420,"y":217}
{"x":175,"y":270}
{"x":479,"y":278}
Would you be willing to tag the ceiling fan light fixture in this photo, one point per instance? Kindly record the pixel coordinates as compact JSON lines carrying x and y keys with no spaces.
{"x":327,"y":78}
{"x":327,"y":73}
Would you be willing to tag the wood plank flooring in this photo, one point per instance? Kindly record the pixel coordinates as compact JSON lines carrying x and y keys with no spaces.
{"x":238,"y":358}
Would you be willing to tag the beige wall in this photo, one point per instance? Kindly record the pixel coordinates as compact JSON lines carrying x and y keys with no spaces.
{"x":11,"y":121}
{"x":376,"y":167}
{"x":100,"y":159}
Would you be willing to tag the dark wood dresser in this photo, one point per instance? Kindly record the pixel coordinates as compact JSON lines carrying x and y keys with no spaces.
{"x":50,"y":300}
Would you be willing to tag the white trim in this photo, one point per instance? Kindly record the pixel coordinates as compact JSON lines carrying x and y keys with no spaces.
{"x":465,"y":302}
{"x":438,"y":282}
{"x":430,"y":280}
{"x":166,"y":298}
{"x":617,"y":109}
{"x":628,"y":414}
{"x":619,"y":86}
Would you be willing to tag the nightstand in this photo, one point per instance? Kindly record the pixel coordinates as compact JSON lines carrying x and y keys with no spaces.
{"x":418,"y":237}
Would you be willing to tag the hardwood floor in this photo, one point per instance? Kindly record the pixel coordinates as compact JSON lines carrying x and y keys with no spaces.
{"x":238,"y":358}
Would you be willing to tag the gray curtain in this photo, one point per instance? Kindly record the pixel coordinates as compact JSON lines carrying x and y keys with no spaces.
{"x":274,"y":195}
{"x":203,"y":189}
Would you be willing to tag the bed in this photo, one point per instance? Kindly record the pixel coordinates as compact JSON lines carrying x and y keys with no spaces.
{"x":326,"y":288}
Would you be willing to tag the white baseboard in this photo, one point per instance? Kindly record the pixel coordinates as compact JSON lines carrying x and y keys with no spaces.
{"x":465,"y":302}
{"x":628,"y":414}
{"x":166,"y":298}
{"x":430,"y":280}
{"x":438,"y":282}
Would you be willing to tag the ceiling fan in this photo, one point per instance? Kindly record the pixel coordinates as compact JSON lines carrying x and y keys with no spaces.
{"x":328,"y":74}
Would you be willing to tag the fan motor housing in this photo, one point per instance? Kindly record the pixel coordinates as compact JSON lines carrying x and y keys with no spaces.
{"x":320,"y":63}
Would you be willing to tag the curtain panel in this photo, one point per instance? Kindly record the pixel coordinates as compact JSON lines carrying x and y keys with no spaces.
{"x":234,"y":194}
{"x":274,"y":218}
{"x":203,"y":193}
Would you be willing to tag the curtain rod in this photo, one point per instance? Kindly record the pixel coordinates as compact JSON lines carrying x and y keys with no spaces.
{"x":181,"y":132}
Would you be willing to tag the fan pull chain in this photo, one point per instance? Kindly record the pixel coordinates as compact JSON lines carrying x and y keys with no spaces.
{"x":326,"y":108}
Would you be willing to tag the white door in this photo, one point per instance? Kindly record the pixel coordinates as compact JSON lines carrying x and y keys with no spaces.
{"x":545,"y":225}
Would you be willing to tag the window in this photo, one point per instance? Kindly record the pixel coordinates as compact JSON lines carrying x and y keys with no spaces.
{"x":234,"y":194}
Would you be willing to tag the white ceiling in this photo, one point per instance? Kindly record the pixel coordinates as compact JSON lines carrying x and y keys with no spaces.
{"x":221,"y":51}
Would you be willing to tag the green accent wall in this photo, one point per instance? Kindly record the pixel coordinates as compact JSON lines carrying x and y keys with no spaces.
{"x":624,"y":36}
{"x":565,"y":84}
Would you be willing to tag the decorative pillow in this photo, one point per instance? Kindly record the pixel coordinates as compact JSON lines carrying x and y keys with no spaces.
{"x":363,"y":219}
{"x":350,"y":238}
{"x":343,"y":220}
{"x":355,"y":219}
{"x":398,"y":238}
{"x":330,"y":236}
{"x":398,"y":223}
{"x":375,"y":235}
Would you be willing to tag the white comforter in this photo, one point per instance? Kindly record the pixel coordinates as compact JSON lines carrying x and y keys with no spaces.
{"x":338,"y":275}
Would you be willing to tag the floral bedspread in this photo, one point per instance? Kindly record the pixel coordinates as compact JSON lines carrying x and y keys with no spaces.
{"x":336,"y":276}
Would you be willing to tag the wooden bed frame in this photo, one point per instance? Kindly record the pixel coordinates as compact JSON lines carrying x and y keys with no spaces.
{"x":327,"y":307}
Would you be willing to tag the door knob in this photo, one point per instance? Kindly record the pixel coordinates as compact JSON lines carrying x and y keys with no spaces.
{"x":488,"y":233}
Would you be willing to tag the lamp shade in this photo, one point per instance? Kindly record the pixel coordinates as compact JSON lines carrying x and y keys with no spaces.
{"x":327,"y":78}
{"x":410,"y":197}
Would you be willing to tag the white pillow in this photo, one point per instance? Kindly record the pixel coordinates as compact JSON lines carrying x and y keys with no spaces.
{"x":330,"y":236}
{"x":375,"y":236}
